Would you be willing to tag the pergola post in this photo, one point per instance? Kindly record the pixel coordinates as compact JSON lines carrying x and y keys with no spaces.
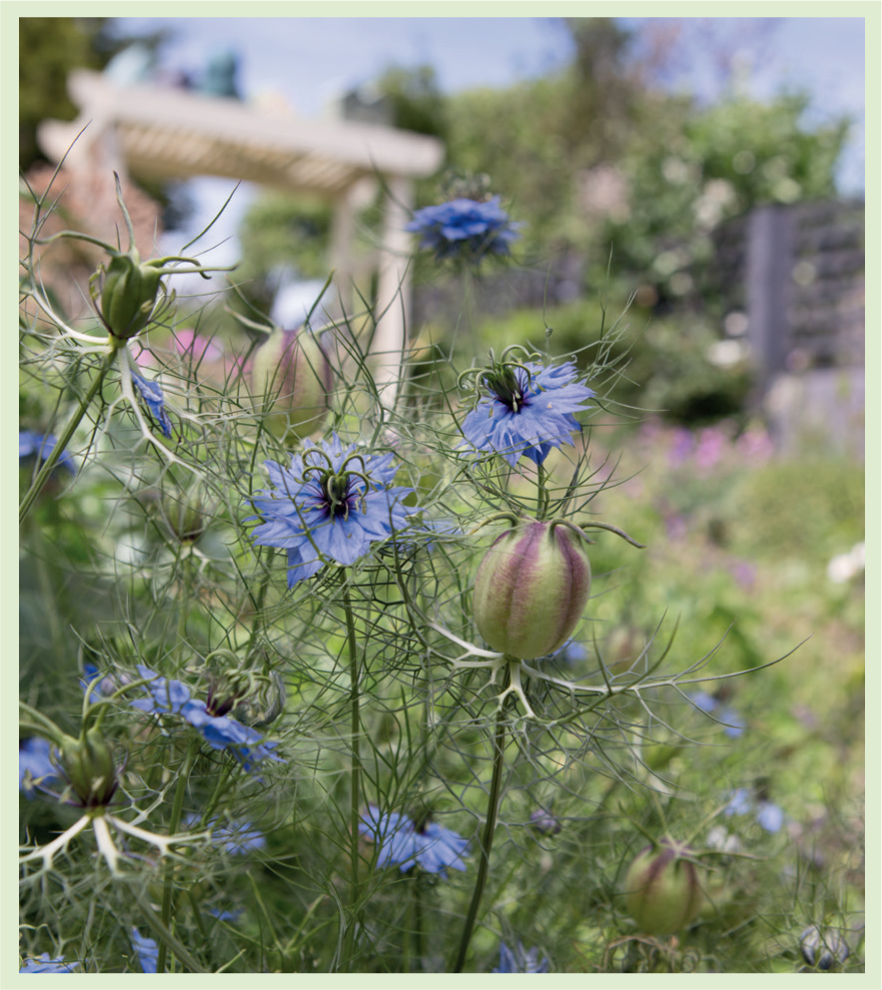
{"x":393,"y":290}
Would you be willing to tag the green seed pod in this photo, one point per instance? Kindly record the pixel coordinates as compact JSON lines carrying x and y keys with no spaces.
{"x":90,"y":768}
{"x":531,"y":589}
{"x":265,"y":703}
{"x":292,"y":376}
{"x":662,"y":889}
{"x":128,"y":294}
{"x":186,"y":513}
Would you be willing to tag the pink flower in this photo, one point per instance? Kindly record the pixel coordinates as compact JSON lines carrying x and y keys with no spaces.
{"x":190,"y":344}
{"x":710,"y":448}
{"x":755,"y":444}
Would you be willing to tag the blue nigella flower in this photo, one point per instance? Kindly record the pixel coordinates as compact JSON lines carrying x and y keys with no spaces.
{"x":231,"y":916}
{"x":528,"y":411}
{"x":733,"y":723}
{"x":520,"y":961}
{"x":104,"y":688}
{"x":43,"y":964}
{"x":220,"y":731}
{"x":332,"y":503}
{"x":571,"y":652}
{"x":434,"y":847}
{"x":34,"y":764}
{"x":237,"y":837}
{"x":465,"y":228}
{"x":768,"y":815}
{"x":41,"y":445}
{"x":147,"y":949}
{"x":154,"y":399}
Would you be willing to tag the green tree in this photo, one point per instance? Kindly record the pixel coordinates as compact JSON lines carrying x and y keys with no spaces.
{"x":48,"y":48}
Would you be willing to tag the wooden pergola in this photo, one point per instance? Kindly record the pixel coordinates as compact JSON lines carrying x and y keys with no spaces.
{"x":177,"y":134}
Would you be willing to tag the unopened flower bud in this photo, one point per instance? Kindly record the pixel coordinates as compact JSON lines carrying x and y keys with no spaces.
{"x":186,"y":512}
{"x":129,"y":293}
{"x":662,"y":889}
{"x":90,"y":768}
{"x":531,"y":589}
{"x":823,"y":949}
{"x":264,"y":704}
{"x":543,"y":821}
{"x":291,"y":373}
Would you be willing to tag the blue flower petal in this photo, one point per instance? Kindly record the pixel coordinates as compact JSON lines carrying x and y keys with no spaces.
{"x":34,"y":764}
{"x":519,"y":960}
{"x":465,"y":229}
{"x":541,"y":420}
{"x":154,"y":399}
{"x":41,"y":445}
{"x":43,"y":964}
{"x":769,"y":816}
{"x":148,"y":951}
{"x":298,"y":515}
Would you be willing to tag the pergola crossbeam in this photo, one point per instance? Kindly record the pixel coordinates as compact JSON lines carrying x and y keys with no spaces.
{"x":175,"y":134}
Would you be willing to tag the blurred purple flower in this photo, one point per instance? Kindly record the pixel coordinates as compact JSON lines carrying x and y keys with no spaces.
{"x":733,"y":723}
{"x":148,"y":951}
{"x":744,"y":573}
{"x":154,"y":399}
{"x":571,"y":652}
{"x":543,"y":821}
{"x":191,"y":345}
{"x":434,"y":848}
{"x":219,"y":731}
{"x":237,"y":837}
{"x":768,"y":815}
{"x":709,"y":450}
{"x":520,"y":961}
{"x":43,"y":964}
{"x":35,"y":767}
{"x":755,"y":445}
{"x":681,"y":448}
{"x":41,"y":445}
{"x":465,"y":228}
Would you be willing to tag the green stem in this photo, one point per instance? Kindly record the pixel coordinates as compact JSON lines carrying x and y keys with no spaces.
{"x":418,"y":921}
{"x":487,"y":837}
{"x":355,"y":769}
{"x":543,"y":497}
{"x":38,"y":721}
{"x":64,"y":439}
{"x":177,"y":807}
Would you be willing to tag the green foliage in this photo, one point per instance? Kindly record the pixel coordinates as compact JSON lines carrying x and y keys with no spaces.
{"x":417,"y":102}
{"x":801,"y":509}
{"x":655,"y":365}
{"x":48,"y":48}
{"x":689,"y":169}
{"x":282,"y":231}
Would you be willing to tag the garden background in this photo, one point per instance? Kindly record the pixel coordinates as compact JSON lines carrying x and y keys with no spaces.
{"x":640,"y":211}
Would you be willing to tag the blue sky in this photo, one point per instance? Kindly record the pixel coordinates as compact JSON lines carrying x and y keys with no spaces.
{"x":311,"y":61}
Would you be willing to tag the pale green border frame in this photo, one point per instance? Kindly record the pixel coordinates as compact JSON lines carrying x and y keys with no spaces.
{"x":872,"y":14}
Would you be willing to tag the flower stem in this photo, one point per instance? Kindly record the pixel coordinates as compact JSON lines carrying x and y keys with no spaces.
{"x":487,"y":836}
{"x":543,"y":497}
{"x":64,"y":439}
{"x":354,"y":770}
{"x":172,"y":829}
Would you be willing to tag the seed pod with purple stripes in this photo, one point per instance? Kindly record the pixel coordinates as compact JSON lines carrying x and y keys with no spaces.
{"x":532,"y":587}
{"x":663,"y":890}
